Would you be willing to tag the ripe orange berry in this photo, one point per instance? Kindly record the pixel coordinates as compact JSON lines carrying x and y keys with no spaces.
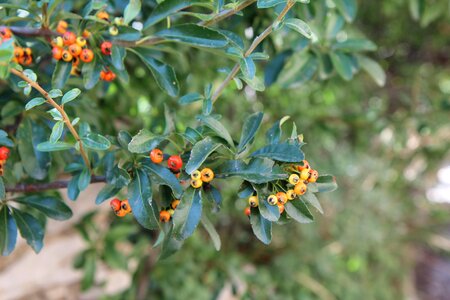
{"x":121,"y":213}
{"x":75,"y":71}
{"x":69,"y":38}
{"x":62,"y":27}
{"x":18,"y":52}
{"x":66,"y":56}
{"x":174,"y":204}
{"x":282,"y":197}
{"x":174,"y":163}
{"x":313,"y":175}
{"x":207,"y":175}
{"x":27,"y":51}
{"x":125,"y":206}
{"x":196,"y":183}
{"x":304,"y":164}
{"x":164,"y":216}
{"x":107,"y":75}
{"x":300,"y":188}
{"x":26,"y":60}
{"x":75,"y":61}
{"x":87,"y":55}
{"x":157,"y":156}
{"x":115,"y":204}
{"x":86,"y":34}
{"x":103,"y":15}
{"x":57,"y":53}
{"x":75,"y":49}
{"x":5,"y":33}
{"x":81,"y":41}
{"x":106,"y":47}
{"x":281,"y":208}
{"x":304,"y":174}
{"x":196,"y":175}
{"x":247,"y":211}
{"x":272,"y":200}
{"x":253,"y":201}
{"x":293,"y":179}
{"x":291,"y":194}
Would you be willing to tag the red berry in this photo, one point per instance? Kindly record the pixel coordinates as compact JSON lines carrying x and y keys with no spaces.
{"x":174,"y":163}
{"x":69,"y":38}
{"x":115,"y":204}
{"x":4,"y":153}
{"x":247,"y":211}
{"x":106,"y":47}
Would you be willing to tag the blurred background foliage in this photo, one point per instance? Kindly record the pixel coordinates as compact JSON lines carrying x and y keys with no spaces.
{"x":384,"y":145}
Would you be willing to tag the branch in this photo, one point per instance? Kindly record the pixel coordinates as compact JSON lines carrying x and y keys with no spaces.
{"x":38,"y":187}
{"x":52,"y":102}
{"x":227,"y":13}
{"x":26,"y":31}
{"x":252,"y":48}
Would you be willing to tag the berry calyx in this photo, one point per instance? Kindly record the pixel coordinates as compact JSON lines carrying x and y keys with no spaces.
{"x":196,"y":183}
{"x":294,"y":179}
{"x":156,"y":156}
{"x":272,"y":200}
{"x":87,"y":55}
{"x":313,"y":175}
{"x":164,"y":216}
{"x":174,"y":163}
{"x":207,"y":175}
{"x":196,"y":175}
{"x":253,"y":201}
{"x":282,"y":197}
{"x":300,"y":188}
{"x":106,"y":47}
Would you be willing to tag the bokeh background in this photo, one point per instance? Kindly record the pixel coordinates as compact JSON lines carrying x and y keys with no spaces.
{"x":385,"y":233}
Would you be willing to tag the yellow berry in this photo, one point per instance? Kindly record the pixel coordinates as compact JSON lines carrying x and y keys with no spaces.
{"x":300,"y":188}
{"x":291,"y":194}
{"x":196,"y":175}
{"x":253,"y":201}
{"x":304,"y":174}
{"x":293,"y":179}
{"x":196,"y":183}
{"x":207,"y":175}
{"x":272,"y":200}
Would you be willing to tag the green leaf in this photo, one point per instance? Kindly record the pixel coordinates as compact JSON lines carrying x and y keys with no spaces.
{"x":8,"y":231}
{"x":131,"y":11}
{"x":2,"y":189}
{"x":326,"y":183}
{"x":249,"y":129}
{"x":200,"y":153}
{"x":70,"y":95}
{"x":280,"y":152}
{"x":30,"y":229}
{"x":124,"y":138}
{"x":56,"y":132}
{"x":312,"y":199}
{"x":353,"y":45}
{"x":106,"y":192}
{"x":29,"y":135}
{"x":273,"y":135}
{"x":164,"y":74}
{"x":61,"y":74}
{"x":299,"y":26}
{"x":347,"y":8}
{"x":4,"y":140}
{"x":373,"y":69}
{"x":84,"y":180}
{"x":194,"y":35}
{"x":140,"y":198}
{"x":188,"y":214}
{"x":167,"y":8}
{"x":51,"y":206}
{"x":50,"y":147}
{"x":169,"y":244}
{"x":72,"y":188}
{"x":269,"y":3}
{"x":217,"y":127}
{"x":298,"y":211}
{"x":55,"y":93}
{"x":91,"y":73}
{"x":144,"y":141}
{"x":209,"y":227}
{"x":269,"y":212}
{"x":299,"y":69}
{"x":96,"y":141}
{"x":248,"y":67}
{"x":117,"y":57}
{"x":261,"y":227}
{"x":165,"y":176}
{"x":259,"y":170}
{"x":190,"y":98}
{"x":35,"y":102}
{"x":343,"y":64}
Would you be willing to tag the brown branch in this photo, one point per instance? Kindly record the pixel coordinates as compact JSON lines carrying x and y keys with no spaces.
{"x":252,"y":48}
{"x":227,"y":13}
{"x":52,"y":102}
{"x":25,"y":31}
{"x":38,"y":187}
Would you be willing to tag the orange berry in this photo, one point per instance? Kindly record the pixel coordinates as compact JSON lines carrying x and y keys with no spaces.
{"x":174,"y":163}
{"x":247,"y":211}
{"x":281,"y":208}
{"x":121,"y":213}
{"x":304,"y":164}
{"x":175,"y":204}
{"x":18,"y":52}
{"x":313,"y":175}
{"x":103,"y":15}
{"x":87,"y":55}
{"x":207,"y":175}
{"x":86,"y":34}
{"x":75,"y":61}
{"x":281,"y":197}
{"x":57,"y":53}
{"x":125,"y":206}
{"x":69,"y":38}
{"x":164,"y":216}
{"x":5,"y":33}
{"x":27,"y":51}
{"x":75,"y":49}
{"x":157,"y":156}
{"x":62,"y":27}
{"x":66,"y":56}
{"x":300,"y":188}
{"x":25,"y":60}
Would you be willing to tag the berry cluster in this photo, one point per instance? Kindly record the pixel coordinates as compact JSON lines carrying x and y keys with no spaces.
{"x":295,"y":186}
{"x":166,"y":214}
{"x":199,"y":177}
{"x":174,"y":162}
{"x":113,"y":30}
{"x":4,"y":154}
{"x":120,"y":208}
{"x":22,"y":56}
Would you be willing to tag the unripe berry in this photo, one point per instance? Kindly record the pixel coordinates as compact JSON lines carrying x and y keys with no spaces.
{"x":81,"y":41}
{"x":253,"y":201}
{"x":291,"y":194}
{"x":171,"y":211}
{"x":196,"y":183}
{"x":272,"y":200}
{"x":293,"y":179}
{"x":207,"y":175}
{"x":164,"y":216}
{"x":87,"y":55}
{"x":57,"y":42}
{"x":113,"y":31}
{"x":300,"y":188}
{"x":69,"y":38}
{"x":281,"y":197}
{"x":313,"y":176}
{"x":156,"y":156}
{"x":66,"y":56}
{"x":118,"y":21}
{"x":106,"y":47}
{"x":75,"y":49}
{"x":196,"y":175}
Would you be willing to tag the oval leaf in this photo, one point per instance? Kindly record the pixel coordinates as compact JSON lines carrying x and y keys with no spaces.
{"x":200,"y":153}
{"x":52,"y":207}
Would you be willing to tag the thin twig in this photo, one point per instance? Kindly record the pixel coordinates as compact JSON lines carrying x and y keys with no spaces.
{"x":61,"y":110}
{"x":227,"y":13}
{"x":252,"y":48}
{"x":30,"y":32}
{"x":38,"y":187}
